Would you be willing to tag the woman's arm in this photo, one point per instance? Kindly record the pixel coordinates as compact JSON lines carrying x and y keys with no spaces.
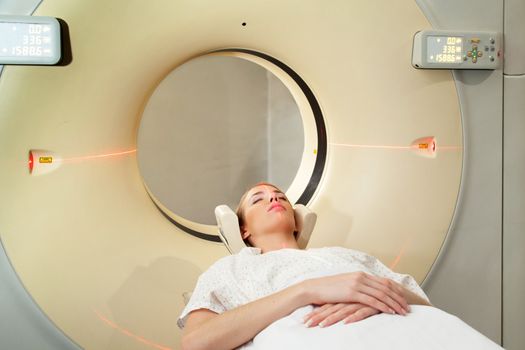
{"x":207,"y":330}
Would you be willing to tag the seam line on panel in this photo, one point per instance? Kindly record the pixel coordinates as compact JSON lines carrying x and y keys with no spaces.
{"x":502,"y":302}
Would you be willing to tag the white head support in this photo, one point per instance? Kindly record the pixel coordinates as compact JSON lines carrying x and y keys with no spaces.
{"x":230,"y":232}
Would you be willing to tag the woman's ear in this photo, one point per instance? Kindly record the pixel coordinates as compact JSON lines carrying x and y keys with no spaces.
{"x":244,"y":233}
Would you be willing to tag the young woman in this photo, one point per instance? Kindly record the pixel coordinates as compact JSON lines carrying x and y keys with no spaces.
{"x":242,"y":294}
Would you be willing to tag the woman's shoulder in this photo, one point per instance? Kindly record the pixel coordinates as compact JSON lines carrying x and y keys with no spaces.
{"x":229,"y":260}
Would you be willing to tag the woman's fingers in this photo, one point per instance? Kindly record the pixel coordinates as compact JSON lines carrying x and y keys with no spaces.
{"x":360,"y":314}
{"x":365,"y":298}
{"x":316,"y":311}
{"x":320,"y":314}
{"x":391,"y":288}
{"x":384,"y":298}
{"x":333,"y":313}
{"x":384,"y":290}
{"x":341,"y":314}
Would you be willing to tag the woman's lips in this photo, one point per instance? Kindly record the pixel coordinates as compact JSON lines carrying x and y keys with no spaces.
{"x":276,"y":206}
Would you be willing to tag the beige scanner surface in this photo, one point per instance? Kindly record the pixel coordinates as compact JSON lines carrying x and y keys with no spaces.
{"x":87,"y":241}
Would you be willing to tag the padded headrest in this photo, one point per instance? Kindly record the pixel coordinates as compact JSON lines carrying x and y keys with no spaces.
{"x":230,"y":233}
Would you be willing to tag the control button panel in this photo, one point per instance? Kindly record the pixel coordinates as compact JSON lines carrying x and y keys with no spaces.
{"x":434,"y":49}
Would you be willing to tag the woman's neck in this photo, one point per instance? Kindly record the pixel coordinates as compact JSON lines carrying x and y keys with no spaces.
{"x":276,"y":242}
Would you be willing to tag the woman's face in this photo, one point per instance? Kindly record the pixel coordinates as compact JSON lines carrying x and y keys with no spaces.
{"x":266,"y":210}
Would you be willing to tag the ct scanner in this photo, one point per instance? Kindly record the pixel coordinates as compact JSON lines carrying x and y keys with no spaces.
{"x":91,"y":259}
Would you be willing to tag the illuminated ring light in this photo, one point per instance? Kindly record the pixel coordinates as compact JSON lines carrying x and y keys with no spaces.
{"x":313,"y":160}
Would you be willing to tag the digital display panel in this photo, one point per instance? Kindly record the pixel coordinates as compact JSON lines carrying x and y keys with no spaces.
{"x":444,"y":49}
{"x":35,"y":40}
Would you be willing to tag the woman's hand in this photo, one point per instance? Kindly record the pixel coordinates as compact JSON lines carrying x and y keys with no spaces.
{"x":328,"y":314}
{"x":379,"y":293}
{"x":411,"y":297}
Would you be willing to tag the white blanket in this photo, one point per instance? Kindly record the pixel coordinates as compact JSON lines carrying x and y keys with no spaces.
{"x":423,"y":328}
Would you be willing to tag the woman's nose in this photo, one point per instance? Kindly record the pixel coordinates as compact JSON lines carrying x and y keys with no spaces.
{"x":273,"y":197}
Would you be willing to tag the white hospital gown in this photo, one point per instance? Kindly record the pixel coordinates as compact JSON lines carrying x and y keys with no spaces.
{"x":249,"y":275}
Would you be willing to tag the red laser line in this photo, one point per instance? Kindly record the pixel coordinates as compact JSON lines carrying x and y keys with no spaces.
{"x":106,"y":155}
{"x":449,"y":148}
{"x":394,"y":263}
{"x":438,"y":148}
{"x":128,"y":333}
{"x":369,"y":146}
